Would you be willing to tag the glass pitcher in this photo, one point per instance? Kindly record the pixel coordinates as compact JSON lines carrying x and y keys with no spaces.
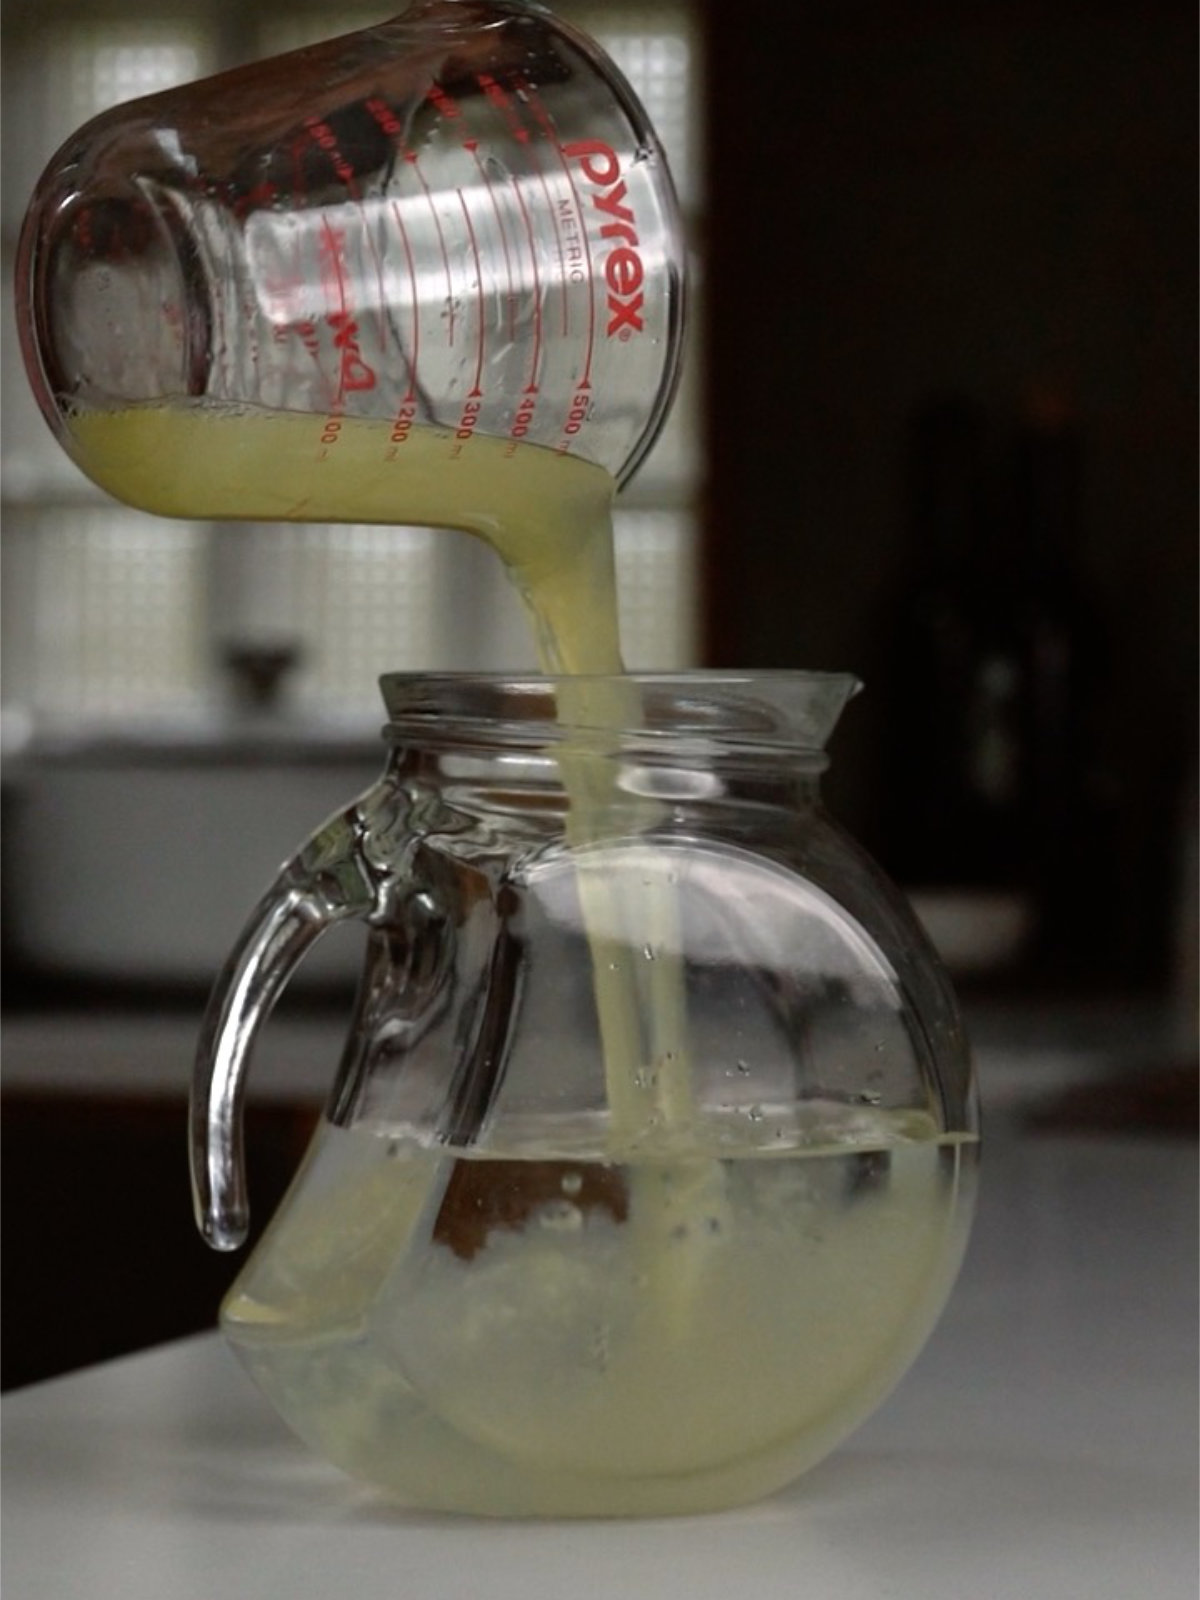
{"x":650,"y":1159}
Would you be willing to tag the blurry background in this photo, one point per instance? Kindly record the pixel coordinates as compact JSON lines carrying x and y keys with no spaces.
{"x":938,"y":428}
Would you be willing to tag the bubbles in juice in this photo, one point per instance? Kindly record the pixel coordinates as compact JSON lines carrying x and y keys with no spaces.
{"x":528,"y":1334}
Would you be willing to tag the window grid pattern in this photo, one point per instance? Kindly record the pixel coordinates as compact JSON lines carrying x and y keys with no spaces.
{"x":112,"y":623}
{"x":277,"y":35}
{"x":359,"y":600}
{"x":70,"y":73}
{"x":656,"y":594}
{"x":660,"y":62}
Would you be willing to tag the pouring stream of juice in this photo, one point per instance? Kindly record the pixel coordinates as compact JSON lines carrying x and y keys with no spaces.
{"x":549,"y":517}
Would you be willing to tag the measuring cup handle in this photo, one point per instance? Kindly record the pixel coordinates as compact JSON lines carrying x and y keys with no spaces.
{"x":331,"y":878}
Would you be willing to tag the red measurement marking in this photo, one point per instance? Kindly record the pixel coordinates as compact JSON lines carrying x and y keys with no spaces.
{"x":503,"y":103}
{"x":402,"y":424}
{"x":285,"y":288}
{"x":324,"y":137}
{"x":547,"y":125}
{"x":385,"y":117}
{"x":411,"y":157}
{"x":416,"y":308}
{"x":438,"y":97}
{"x":523,"y":421}
{"x":543,"y":118}
{"x":306,"y":330}
{"x":261,"y":195}
{"x":535,"y":363}
{"x":331,"y":274}
{"x":498,"y":96}
{"x":354,"y":372}
{"x":387,"y":120}
{"x":475,"y":388}
{"x":473,"y":146}
{"x":577,"y":414}
{"x":467,"y":423}
{"x":330,"y":252}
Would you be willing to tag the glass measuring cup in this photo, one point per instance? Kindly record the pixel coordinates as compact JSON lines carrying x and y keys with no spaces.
{"x":459,"y":220}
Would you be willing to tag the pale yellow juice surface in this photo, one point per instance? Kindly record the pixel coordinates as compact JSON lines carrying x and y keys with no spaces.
{"x":525,"y":1368}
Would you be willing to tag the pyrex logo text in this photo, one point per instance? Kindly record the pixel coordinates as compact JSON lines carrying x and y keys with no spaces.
{"x":623,"y":270}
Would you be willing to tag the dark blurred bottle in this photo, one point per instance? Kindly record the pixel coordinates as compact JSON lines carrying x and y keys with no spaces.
{"x":1054,"y":638}
{"x":951,"y":828}
{"x":991,"y":667}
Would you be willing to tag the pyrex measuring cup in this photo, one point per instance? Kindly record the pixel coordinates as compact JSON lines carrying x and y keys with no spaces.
{"x":459,"y":219}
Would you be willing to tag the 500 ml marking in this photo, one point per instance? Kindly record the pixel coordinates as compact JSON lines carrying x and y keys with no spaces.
{"x":578,"y":411}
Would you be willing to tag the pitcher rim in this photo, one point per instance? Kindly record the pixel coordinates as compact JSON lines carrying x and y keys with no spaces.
{"x":768,"y":710}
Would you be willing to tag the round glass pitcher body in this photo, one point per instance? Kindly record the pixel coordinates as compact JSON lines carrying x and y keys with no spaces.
{"x":650,"y":1160}
{"x":459,"y":222}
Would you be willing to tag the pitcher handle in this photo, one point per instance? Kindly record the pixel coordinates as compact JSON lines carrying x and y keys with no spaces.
{"x":331,"y":878}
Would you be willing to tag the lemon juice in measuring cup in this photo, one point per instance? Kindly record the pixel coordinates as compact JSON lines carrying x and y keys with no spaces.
{"x":649,"y":1159}
{"x":457,"y":221}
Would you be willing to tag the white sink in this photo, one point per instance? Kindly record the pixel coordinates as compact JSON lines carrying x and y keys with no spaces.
{"x":142,"y":860}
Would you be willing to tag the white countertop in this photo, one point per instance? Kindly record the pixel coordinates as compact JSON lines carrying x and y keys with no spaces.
{"x":1043,"y":1448}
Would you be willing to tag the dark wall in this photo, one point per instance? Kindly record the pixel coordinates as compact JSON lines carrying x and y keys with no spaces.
{"x":992,"y":201}
{"x":102,"y":1256}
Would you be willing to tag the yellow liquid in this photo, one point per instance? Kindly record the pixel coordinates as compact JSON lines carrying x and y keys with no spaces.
{"x":732,"y":1314}
{"x":548,"y":517}
{"x":538,"y":1377}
